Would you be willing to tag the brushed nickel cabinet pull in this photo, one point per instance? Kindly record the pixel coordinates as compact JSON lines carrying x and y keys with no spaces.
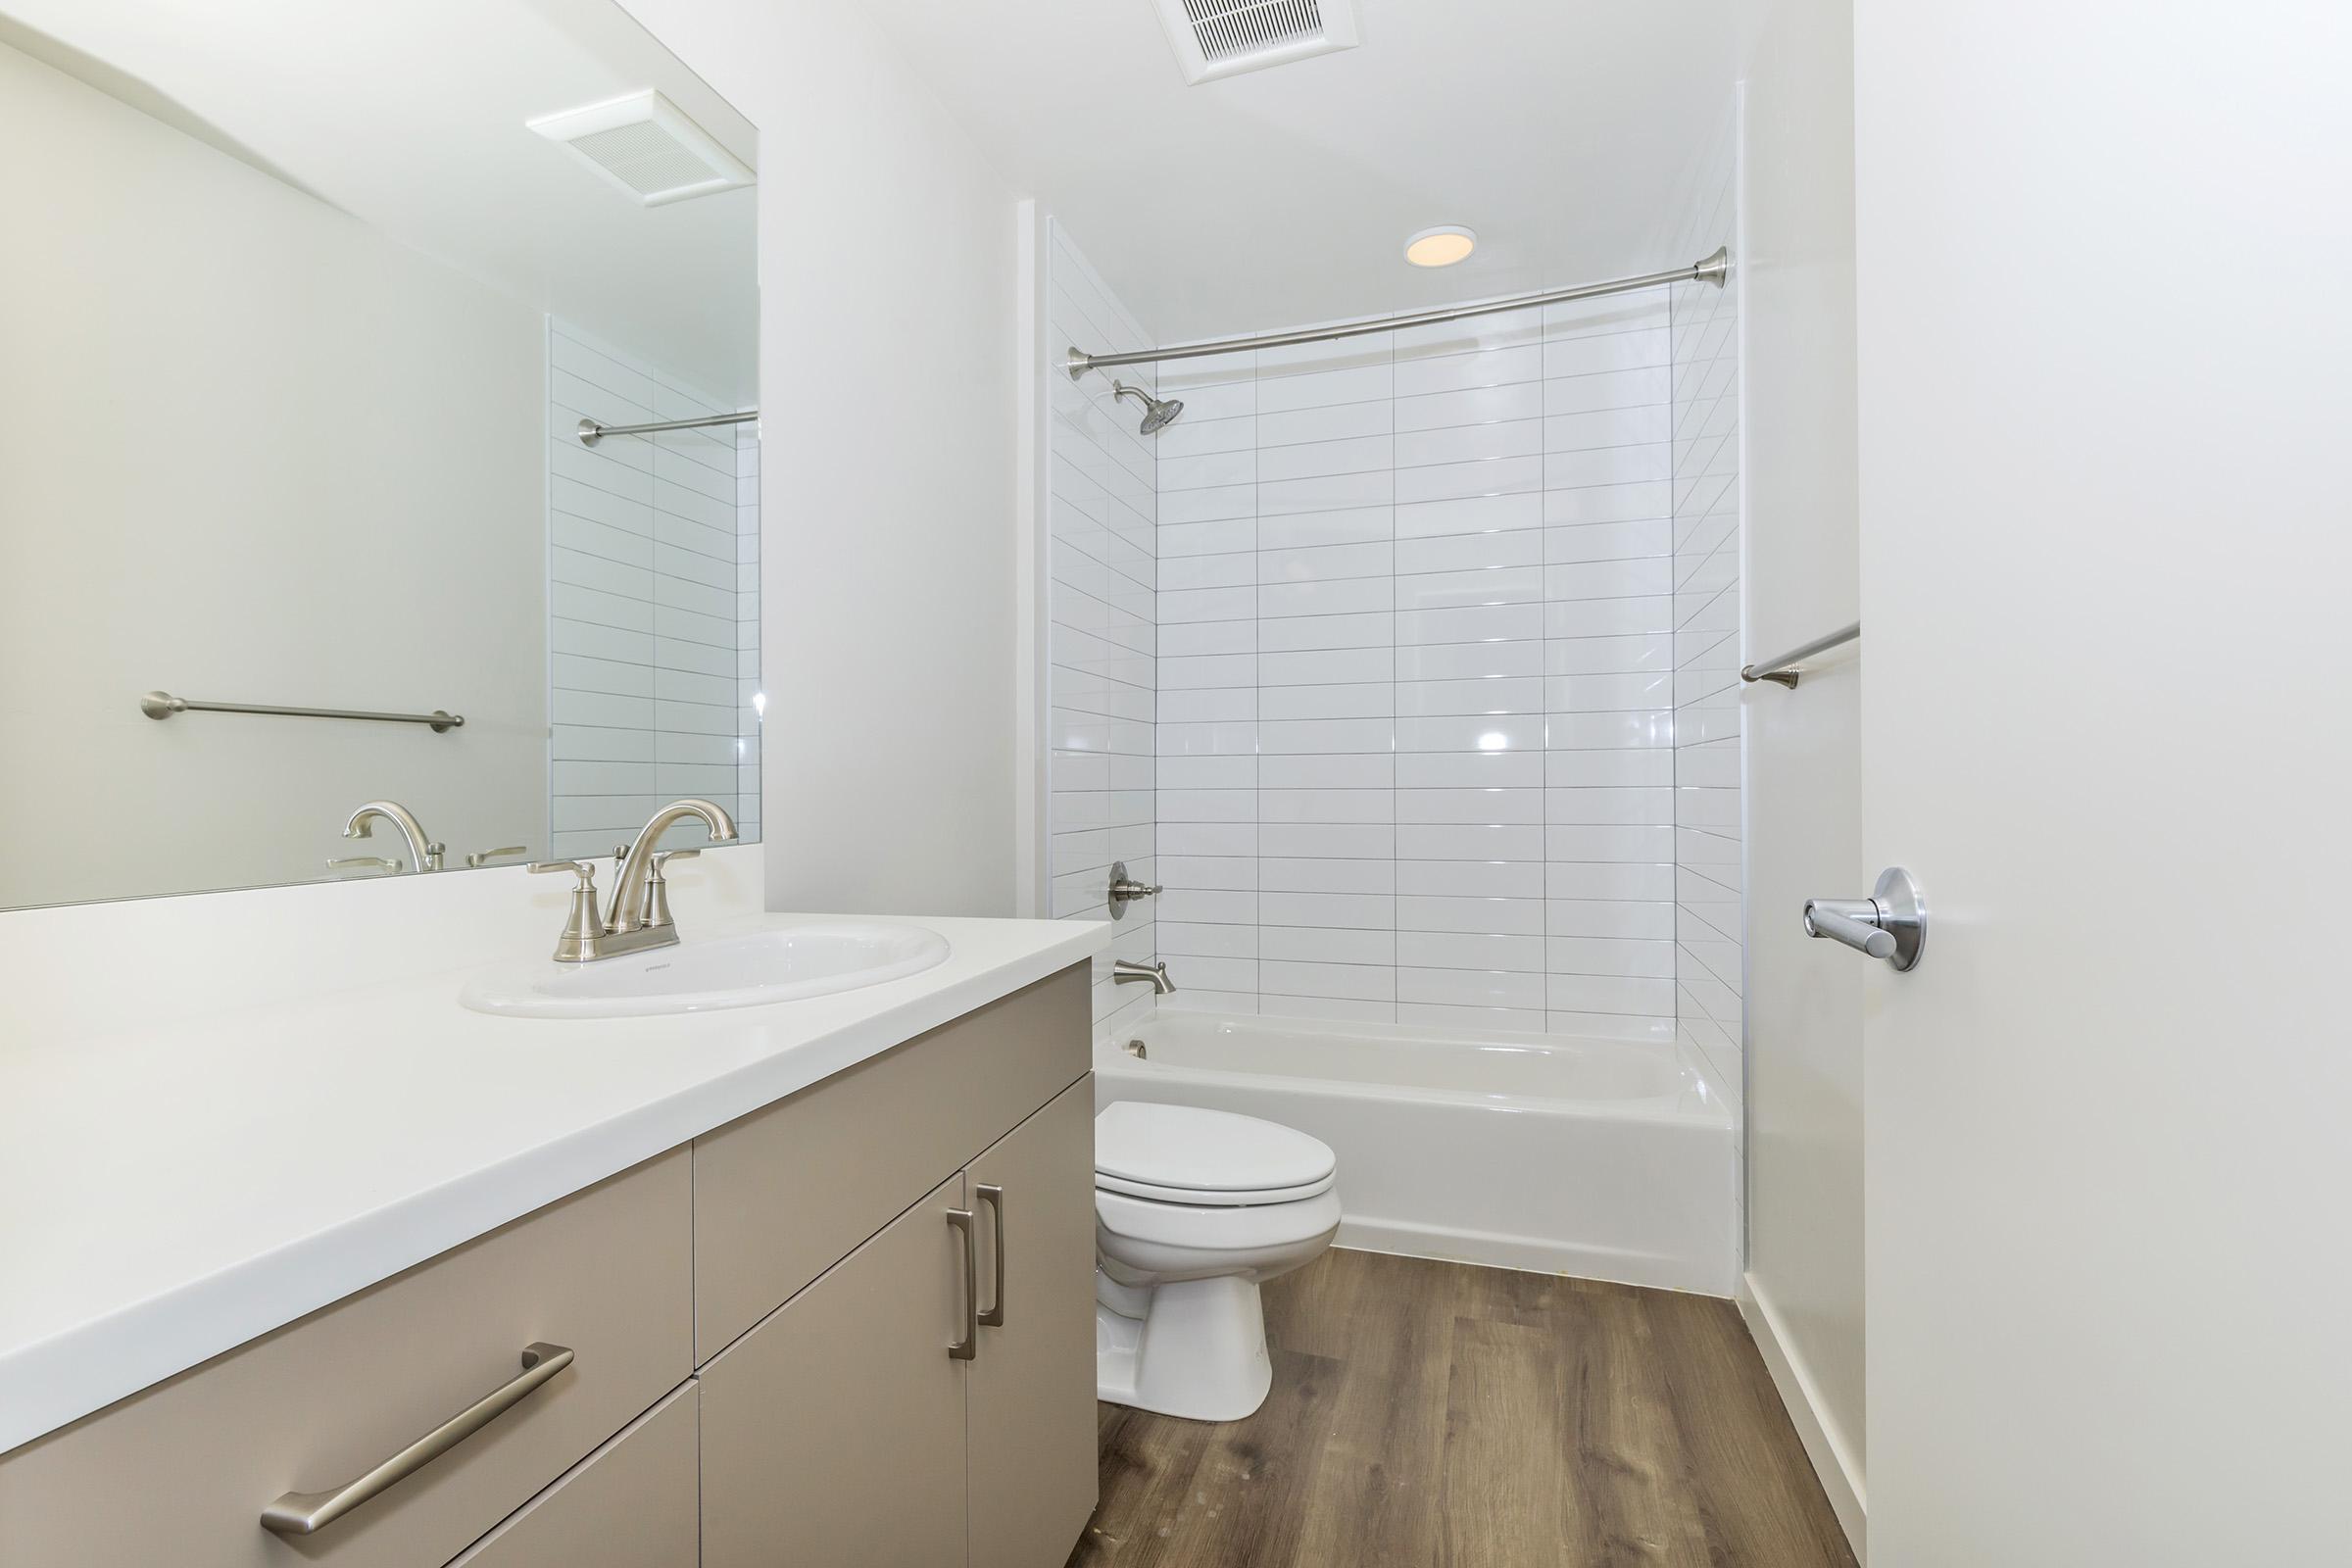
{"x":968,"y":1347}
{"x":994,"y":1198}
{"x":298,"y":1514}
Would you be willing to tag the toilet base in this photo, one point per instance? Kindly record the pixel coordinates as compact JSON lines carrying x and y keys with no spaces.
{"x":1198,"y":1352}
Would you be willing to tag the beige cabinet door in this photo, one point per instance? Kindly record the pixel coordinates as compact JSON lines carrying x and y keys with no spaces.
{"x":833,"y":1432}
{"x":630,"y":1504}
{"x":1032,"y":1421}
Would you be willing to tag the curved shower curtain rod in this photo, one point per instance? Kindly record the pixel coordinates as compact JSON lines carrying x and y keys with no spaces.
{"x":1713,"y":270}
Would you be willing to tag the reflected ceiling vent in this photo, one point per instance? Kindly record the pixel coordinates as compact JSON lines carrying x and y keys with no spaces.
{"x":1215,"y":39}
{"x":646,"y":146}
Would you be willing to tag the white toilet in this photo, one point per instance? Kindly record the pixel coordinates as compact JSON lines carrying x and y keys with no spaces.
{"x":1192,"y":1210}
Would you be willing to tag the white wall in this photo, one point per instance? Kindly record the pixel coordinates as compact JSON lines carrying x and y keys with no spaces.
{"x":652,"y":624}
{"x":1101,"y":500}
{"x":888,"y":345}
{"x":1416,"y":677}
{"x":220,"y":479}
{"x":1804,"y":998}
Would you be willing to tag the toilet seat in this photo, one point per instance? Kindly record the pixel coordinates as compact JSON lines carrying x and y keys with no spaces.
{"x":1232,"y":1230}
{"x":1198,"y":1199}
{"x":1183,"y":1154}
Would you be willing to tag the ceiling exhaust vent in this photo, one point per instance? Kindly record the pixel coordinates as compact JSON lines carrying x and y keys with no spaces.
{"x":646,"y":146}
{"x":1215,"y":39}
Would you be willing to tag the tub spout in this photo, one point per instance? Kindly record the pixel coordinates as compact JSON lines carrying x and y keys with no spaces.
{"x":1125,"y":971}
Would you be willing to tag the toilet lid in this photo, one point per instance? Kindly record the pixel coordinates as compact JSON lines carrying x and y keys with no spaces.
{"x":1173,"y":1150}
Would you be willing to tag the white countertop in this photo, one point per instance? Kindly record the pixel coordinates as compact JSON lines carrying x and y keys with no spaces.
{"x":171,"y":1192}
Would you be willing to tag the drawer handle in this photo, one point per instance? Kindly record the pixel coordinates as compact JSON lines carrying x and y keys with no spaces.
{"x":298,"y":1513}
{"x":994,"y":1198}
{"x":959,"y":1220}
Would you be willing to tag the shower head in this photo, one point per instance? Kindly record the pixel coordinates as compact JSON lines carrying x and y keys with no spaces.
{"x":1157,"y":415}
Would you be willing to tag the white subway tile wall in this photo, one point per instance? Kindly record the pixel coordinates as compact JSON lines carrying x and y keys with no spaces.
{"x":1101,"y":641}
{"x":653,"y":611}
{"x":1707,"y":731}
{"x":1417,"y":664}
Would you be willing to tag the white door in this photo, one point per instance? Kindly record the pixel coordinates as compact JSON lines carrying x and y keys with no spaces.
{"x":2105,"y":282}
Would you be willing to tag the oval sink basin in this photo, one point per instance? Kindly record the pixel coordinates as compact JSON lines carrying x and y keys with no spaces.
{"x":784,"y":963}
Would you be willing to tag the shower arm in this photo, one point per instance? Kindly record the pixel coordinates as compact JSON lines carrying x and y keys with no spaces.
{"x":1713,"y":269}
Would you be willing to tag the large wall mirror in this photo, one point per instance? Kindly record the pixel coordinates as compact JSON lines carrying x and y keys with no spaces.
{"x":301,"y":309}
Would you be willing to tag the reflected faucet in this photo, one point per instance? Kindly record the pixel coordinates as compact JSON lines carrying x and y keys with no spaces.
{"x":422,"y":854}
{"x":1133,"y":972}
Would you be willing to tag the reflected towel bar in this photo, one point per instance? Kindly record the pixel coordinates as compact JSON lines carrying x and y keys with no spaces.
{"x":163,"y":705}
{"x":592,"y":432}
{"x":1783,"y":671}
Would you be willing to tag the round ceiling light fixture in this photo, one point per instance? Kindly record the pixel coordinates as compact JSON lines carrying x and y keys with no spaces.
{"x":1441,"y":246}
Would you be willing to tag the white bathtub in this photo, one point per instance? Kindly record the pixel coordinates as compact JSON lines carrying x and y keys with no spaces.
{"x":1604,"y":1159}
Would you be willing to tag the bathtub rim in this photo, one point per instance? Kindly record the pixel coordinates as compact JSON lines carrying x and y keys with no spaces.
{"x":1111,"y":1064}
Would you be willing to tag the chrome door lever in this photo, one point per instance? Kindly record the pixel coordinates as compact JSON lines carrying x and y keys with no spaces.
{"x":1890,"y":924}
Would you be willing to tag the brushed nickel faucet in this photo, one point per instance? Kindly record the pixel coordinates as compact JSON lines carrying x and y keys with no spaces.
{"x":424,"y":855}
{"x":640,"y":917}
{"x":1133,"y":972}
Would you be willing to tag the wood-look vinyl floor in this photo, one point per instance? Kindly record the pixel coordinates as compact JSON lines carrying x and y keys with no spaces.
{"x":1435,"y":1415}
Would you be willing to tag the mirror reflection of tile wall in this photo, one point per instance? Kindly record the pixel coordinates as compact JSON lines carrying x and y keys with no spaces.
{"x":653,"y":600}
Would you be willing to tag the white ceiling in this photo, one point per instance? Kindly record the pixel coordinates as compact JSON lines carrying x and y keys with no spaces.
{"x":1558,"y":129}
{"x":410,"y":118}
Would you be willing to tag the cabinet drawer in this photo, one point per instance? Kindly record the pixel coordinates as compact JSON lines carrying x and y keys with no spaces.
{"x":786,"y":1192}
{"x":633,"y":1503}
{"x":180,"y":1473}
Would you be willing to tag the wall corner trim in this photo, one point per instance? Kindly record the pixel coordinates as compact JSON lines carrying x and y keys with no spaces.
{"x":1834,"y":1459}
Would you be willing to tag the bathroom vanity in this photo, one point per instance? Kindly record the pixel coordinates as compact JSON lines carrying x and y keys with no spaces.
{"x":815,"y":1283}
{"x":338,"y":1224}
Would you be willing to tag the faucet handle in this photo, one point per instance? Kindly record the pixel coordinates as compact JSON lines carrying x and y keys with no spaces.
{"x":478,"y":858}
{"x":656,"y":890}
{"x":1125,"y":890}
{"x":584,"y":930}
{"x":370,"y":863}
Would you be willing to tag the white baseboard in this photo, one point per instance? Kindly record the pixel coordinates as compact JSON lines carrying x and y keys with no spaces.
{"x":1834,"y":1459}
{"x":1451,"y":1244}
